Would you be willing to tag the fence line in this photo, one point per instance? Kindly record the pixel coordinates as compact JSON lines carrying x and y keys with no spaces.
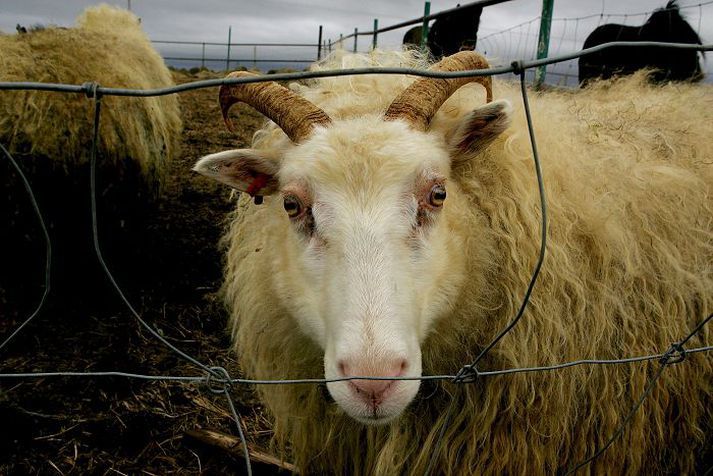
{"x":593,"y":15}
{"x":217,"y":58}
{"x":90,"y":88}
{"x":626,"y":15}
{"x":421,"y":19}
{"x":311,"y":381}
{"x":502,"y":44}
{"x":209,"y":43}
{"x":218,"y":379}
{"x":238,"y":60}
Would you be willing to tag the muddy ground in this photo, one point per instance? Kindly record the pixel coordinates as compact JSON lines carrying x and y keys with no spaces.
{"x":115,"y":425}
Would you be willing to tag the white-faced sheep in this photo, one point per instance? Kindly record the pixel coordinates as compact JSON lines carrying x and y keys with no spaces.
{"x":399,"y":232}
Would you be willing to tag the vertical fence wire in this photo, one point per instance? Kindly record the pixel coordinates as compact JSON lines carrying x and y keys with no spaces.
{"x":48,"y":247}
{"x":519,"y":69}
{"x":623,"y":425}
{"x":218,"y":372}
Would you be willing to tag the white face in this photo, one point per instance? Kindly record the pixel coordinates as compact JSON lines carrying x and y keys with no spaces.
{"x":366,"y":259}
{"x":365,"y":256}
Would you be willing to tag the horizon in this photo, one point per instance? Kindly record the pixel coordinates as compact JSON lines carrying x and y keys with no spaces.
{"x":507,"y":31}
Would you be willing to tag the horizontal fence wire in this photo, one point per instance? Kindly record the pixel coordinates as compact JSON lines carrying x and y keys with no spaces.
{"x":320,"y":381}
{"x":629,"y":15}
{"x":210,"y":43}
{"x":237,"y":60}
{"x":89,"y":88}
{"x":217,"y":379}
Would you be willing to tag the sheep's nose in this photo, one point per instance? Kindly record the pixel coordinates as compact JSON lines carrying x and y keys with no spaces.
{"x":371,"y":388}
{"x":373,"y":391}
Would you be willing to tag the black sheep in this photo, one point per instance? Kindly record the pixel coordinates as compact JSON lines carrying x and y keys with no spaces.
{"x":668,"y":64}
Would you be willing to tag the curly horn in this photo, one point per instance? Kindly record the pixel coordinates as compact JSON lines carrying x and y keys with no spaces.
{"x":421,"y":100}
{"x":295,"y":115}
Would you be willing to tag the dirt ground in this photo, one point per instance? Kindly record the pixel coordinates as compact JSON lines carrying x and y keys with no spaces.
{"x":63,"y":425}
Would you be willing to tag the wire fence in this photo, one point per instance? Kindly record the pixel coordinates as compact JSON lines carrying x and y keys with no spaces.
{"x":569,"y":34}
{"x":219,"y":56}
{"x":515,"y":42}
{"x":224,"y":56}
{"x":218,"y":379}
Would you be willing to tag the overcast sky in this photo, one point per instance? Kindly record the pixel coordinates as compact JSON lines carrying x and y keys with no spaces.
{"x":297,"y":21}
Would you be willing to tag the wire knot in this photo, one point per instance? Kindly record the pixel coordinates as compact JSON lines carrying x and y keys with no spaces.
{"x":91,"y":89}
{"x":675,"y":354}
{"x":517,"y":67}
{"x":218,"y":385}
{"x":468,"y":374}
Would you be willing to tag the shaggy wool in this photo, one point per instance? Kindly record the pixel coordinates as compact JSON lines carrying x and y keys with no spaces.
{"x":628,"y":170}
{"x":107,"y":46}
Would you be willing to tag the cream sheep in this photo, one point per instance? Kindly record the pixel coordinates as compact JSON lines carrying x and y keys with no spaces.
{"x":50,"y":134}
{"x":399,"y":233}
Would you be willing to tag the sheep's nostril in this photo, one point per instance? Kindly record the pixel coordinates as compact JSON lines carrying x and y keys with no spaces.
{"x":372,"y":388}
{"x":372,"y":391}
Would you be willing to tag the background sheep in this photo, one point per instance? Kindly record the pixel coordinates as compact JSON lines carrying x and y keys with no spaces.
{"x":664,"y":25}
{"x":629,"y":179}
{"x":50,"y":134}
{"x":448,"y":34}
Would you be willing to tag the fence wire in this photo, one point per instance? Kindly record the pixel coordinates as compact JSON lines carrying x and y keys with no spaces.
{"x":217,"y":379}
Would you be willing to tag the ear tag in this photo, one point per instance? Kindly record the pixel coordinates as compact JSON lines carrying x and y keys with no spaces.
{"x":255,"y":186}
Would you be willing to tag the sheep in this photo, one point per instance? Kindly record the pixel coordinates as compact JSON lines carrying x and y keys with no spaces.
{"x":664,"y":25}
{"x":107,"y":46}
{"x":51,"y":133}
{"x":399,"y":230}
{"x":450,"y":33}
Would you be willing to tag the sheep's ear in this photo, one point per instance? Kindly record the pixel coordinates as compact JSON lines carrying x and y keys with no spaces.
{"x":478,"y":129}
{"x":247,"y":170}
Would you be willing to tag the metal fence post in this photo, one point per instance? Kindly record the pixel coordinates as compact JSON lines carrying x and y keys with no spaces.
{"x":356,"y":32}
{"x":227,"y":58}
{"x":376,"y":27}
{"x":341,"y":39}
{"x":319,"y":44}
{"x":203,"y":56}
{"x":543,"y":42}
{"x":424,"y":26}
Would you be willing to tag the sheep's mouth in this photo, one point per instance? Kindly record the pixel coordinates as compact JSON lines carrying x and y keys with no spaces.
{"x":376,"y":416}
{"x":376,"y":419}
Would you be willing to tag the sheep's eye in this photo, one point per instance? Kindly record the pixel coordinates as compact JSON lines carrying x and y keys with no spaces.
{"x":293,"y":206}
{"x":437,"y":196}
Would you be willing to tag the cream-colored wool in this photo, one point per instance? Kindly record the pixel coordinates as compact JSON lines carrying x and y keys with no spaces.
{"x":107,"y":46}
{"x":628,"y":170}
